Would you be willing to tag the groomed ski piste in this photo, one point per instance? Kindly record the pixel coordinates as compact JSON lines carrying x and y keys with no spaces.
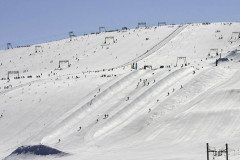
{"x":147,"y":93}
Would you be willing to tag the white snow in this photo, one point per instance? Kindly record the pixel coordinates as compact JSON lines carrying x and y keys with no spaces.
{"x":102,"y":109}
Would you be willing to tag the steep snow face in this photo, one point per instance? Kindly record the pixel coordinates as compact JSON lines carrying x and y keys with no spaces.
{"x":93,"y":105}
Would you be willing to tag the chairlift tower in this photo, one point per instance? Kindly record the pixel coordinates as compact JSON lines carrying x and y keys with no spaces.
{"x":235,"y":36}
{"x":109,"y":39}
{"x":213,"y":53}
{"x":182,"y":58}
{"x":38,"y":49}
{"x":142,"y":24}
{"x":134,"y":65}
{"x":102,"y":29}
{"x":217,"y":152}
{"x":12,"y":72}
{"x":162,"y":23}
{"x":63,"y":62}
{"x":71,"y":35}
{"x":9,"y":46}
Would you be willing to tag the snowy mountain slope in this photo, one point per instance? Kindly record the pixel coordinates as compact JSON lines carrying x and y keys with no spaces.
{"x":195,"y":43}
{"x":158,"y":45}
{"x":93,"y":110}
{"x":84,"y":52}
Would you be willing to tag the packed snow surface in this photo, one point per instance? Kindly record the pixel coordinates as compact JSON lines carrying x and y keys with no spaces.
{"x":146,"y":93}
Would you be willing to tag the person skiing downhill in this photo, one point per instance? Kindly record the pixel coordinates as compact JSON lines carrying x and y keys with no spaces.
{"x":149,"y":110}
{"x":105,"y":116}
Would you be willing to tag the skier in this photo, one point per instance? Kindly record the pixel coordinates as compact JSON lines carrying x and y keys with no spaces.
{"x":105,"y":116}
{"x":137,"y":85}
{"x":149,"y":110}
{"x":59,"y":140}
{"x":181,"y":87}
{"x":168,"y":94}
{"x":127,"y":99}
{"x":79,"y":128}
{"x":173,"y":90}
